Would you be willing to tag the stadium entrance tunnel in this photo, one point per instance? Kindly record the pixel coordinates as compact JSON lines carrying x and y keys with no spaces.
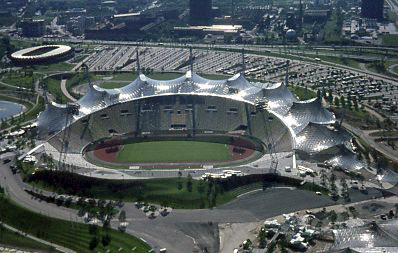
{"x":175,"y":151}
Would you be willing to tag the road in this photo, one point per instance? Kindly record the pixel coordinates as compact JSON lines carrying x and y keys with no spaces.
{"x":371,"y":142}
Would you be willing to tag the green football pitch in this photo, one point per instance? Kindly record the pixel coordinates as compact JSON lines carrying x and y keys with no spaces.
{"x":174,"y":151}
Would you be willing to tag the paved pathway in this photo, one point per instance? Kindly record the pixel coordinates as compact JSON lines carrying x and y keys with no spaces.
{"x":392,"y":69}
{"x":66,"y":92}
{"x":390,"y":154}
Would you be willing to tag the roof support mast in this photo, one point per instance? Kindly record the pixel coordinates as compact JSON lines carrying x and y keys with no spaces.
{"x":138,"y":62}
{"x":86,"y":73}
{"x":287,"y":73}
{"x":190,"y":59}
{"x":243,"y":62}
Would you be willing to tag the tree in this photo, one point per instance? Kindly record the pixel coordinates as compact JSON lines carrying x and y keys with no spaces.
{"x":343,"y":103}
{"x":344,"y":185}
{"x":323,"y":177}
{"x":92,"y":229}
{"x":179,"y":185}
{"x":337,"y":102}
{"x":355,"y":102}
{"x":93,"y":243}
{"x":201,"y":187}
{"x":189,"y":183}
{"x":349,"y":103}
{"x":122,"y":216}
{"x":324,"y":94}
{"x":106,"y":240}
{"x":330,"y":97}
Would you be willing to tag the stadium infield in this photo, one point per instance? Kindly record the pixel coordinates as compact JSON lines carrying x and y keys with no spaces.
{"x":173,"y":151}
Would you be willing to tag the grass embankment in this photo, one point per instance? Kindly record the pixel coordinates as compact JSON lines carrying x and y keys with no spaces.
{"x":390,"y":40}
{"x":174,"y":151}
{"x":302,"y":93}
{"x":69,"y":234}
{"x":181,"y":192}
{"x":12,"y":239}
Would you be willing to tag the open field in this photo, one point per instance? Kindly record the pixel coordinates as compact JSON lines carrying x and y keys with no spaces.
{"x":75,"y":236}
{"x":174,"y":151}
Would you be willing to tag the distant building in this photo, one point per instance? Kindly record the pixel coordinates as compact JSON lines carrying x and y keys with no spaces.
{"x":33,"y":28}
{"x":231,"y":30}
{"x":90,"y":22}
{"x":63,"y":17}
{"x":311,"y":16}
{"x":373,"y":9}
{"x":201,"y":12}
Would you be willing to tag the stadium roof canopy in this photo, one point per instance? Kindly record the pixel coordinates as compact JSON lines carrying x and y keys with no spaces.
{"x":309,"y":122}
{"x":40,"y":52}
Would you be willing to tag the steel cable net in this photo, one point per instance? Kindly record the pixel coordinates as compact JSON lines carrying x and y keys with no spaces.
{"x":346,"y":159}
{"x":315,"y":138}
{"x":373,"y":237}
{"x":388,"y":176}
{"x":303,"y":112}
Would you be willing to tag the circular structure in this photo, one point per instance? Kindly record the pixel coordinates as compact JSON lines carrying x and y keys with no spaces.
{"x":42,"y":54}
{"x":191,"y":122}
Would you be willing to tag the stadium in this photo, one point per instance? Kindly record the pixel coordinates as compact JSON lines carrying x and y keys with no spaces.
{"x":42,"y":55}
{"x":192,"y":122}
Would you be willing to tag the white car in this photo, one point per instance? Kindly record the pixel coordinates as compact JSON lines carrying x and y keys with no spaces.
{"x":318,"y":193}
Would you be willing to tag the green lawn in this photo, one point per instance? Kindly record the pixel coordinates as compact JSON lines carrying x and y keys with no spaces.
{"x":72,"y":235}
{"x":174,"y":151}
{"x":61,"y":66}
{"x":390,"y":40}
{"x":112,"y":85}
{"x":12,"y":239}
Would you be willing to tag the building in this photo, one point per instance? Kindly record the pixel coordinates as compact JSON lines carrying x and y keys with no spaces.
{"x":321,"y":16}
{"x":373,"y":9}
{"x":201,"y":12}
{"x":42,"y":55}
{"x":232,"y":30}
{"x":33,"y":28}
